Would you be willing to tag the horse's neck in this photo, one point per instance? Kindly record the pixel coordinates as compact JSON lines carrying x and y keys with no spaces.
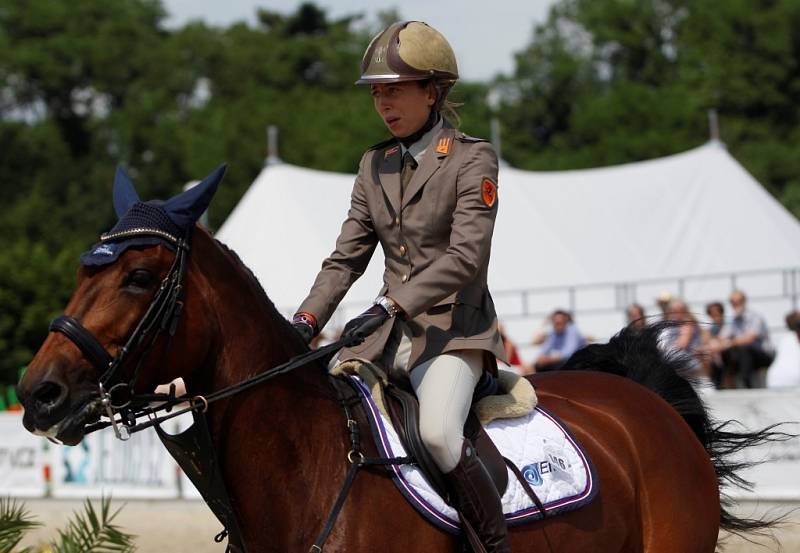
{"x":252,"y":336}
{"x":281,"y":438}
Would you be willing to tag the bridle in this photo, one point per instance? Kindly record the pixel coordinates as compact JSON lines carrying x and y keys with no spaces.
{"x":117,"y":400}
{"x":123,"y":408}
{"x":162,"y":315}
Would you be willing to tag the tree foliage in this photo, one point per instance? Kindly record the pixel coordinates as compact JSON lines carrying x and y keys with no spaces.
{"x":88,"y":84}
{"x":611,"y":81}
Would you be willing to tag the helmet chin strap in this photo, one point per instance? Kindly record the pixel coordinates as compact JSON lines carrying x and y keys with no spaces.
{"x":433,"y":118}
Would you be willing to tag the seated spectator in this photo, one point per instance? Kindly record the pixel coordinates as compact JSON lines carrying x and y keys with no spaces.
{"x":514,"y":360}
{"x":684,"y":336}
{"x":636,"y":317}
{"x":716,"y":312}
{"x":712,"y":342}
{"x":785,"y":370}
{"x":562,"y":341}
{"x":663,"y":301}
{"x":745,"y":346}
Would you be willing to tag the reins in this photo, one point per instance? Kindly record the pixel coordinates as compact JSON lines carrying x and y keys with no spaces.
{"x":201,"y":403}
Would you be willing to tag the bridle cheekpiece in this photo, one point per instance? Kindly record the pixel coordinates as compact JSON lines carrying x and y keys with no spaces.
{"x":163,"y":314}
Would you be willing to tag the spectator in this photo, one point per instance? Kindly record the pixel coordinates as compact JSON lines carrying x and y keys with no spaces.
{"x":685,"y":335}
{"x":785,"y":370}
{"x":716,"y":312}
{"x":636,"y":316}
{"x":514,"y":360}
{"x":687,"y":332}
{"x":745,"y":345}
{"x":712,"y":342}
{"x":562,"y":341}
{"x":793,"y":322}
{"x":663,"y":300}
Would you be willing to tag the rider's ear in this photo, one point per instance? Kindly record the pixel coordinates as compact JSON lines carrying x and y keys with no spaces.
{"x":124,"y":194}
{"x":186,"y":208}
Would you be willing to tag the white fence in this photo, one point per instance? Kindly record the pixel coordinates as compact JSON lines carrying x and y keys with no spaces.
{"x":141,"y":468}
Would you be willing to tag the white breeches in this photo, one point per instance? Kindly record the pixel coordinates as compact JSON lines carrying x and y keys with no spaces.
{"x":444,"y":386}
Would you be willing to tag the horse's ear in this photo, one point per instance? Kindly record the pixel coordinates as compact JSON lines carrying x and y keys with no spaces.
{"x":124,"y":193}
{"x":186,"y":208}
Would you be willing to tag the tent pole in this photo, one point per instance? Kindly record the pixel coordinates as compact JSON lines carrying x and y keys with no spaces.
{"x":713,"y":125}
{"x":272,"y":146}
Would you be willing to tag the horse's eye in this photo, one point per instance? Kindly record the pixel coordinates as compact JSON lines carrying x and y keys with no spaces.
{"x":139,"y":278}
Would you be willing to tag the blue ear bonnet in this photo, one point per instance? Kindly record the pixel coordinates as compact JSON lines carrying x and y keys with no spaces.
{"x":152,"y":222}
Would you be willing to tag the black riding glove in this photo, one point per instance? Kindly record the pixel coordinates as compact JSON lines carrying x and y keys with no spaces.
{"x":365,"y":324}
{"x":304,"y":330}
{"x":305,"y":324}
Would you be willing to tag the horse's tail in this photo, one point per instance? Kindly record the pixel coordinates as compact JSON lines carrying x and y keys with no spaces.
{"x":636,"y":354}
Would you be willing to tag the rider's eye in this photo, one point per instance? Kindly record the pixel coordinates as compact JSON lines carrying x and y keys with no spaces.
{"x":139,"y":278}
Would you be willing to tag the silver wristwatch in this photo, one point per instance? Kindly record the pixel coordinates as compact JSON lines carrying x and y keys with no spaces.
{"x":387,"y":304}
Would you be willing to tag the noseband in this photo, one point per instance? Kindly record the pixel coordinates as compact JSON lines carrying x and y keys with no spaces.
{"x":162,"y":315}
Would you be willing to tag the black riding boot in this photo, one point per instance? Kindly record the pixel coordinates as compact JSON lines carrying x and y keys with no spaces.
{"x":474,"y":495}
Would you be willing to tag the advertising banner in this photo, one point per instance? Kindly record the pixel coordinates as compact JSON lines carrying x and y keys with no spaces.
{"x":142,"y":468}
{"x":21,"y":459}
{"x":104,"y":465}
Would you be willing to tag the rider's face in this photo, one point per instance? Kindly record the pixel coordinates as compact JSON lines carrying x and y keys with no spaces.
{"x":404,"y":107}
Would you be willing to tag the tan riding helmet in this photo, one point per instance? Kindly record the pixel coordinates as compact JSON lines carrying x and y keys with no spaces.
{"x":409,"y":51}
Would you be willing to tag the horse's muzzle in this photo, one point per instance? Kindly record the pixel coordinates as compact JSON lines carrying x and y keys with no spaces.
{"x":50,"y":411}
{"x":45,"y":406}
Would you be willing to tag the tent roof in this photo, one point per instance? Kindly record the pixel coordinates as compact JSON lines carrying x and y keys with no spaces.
{"x":693,"y":213}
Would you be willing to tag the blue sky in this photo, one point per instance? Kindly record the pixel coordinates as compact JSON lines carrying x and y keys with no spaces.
{"x":484,"y":34}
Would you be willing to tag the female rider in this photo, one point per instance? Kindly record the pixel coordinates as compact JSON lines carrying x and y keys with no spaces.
{"x":429,"y":196}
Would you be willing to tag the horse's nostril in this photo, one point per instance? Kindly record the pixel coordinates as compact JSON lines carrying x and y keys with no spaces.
{"x":48,"y":394}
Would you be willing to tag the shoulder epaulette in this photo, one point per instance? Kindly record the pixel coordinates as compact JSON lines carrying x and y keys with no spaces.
{"x":382,"y":144}
{"x":461,"y":137}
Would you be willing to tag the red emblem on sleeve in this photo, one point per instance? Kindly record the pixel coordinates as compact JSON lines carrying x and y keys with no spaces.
{"x":488,"y":192}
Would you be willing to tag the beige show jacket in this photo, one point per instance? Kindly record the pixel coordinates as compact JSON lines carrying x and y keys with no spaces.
{"x":436,"y":241}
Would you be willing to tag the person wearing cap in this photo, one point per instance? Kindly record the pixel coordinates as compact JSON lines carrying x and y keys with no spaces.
{"x":663,"y":302}
{"x":428,"y":196}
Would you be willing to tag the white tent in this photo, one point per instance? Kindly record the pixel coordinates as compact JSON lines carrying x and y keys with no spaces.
{"x":591,"y":240}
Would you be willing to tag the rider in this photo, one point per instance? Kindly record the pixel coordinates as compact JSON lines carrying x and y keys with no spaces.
{"x":429,"y":196}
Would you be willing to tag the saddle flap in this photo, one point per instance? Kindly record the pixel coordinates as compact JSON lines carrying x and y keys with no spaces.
{"x":404,"y":413}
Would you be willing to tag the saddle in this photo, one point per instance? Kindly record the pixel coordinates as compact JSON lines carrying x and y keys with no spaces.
{"x":395,"y":397}
{"x":403,"y":410}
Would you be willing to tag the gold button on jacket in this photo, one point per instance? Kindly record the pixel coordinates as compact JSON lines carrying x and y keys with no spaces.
{"x":448,"y":213}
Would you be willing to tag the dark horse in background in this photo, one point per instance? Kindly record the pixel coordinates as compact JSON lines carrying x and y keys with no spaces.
{"x":283,"y":446}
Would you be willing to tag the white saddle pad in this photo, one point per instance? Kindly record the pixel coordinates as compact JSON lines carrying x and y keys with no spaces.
{"x":550,"y":459}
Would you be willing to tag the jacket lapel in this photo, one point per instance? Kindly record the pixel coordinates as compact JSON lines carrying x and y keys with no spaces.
{"x":439,"y":148}
{"x":389,"y":174}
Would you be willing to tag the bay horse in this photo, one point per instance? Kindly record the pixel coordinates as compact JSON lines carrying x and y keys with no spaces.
{"x":283,"y":446}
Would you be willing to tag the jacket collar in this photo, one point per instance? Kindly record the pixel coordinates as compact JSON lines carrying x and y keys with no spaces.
{"x":440,"y":147}
{"x":390,"y":162}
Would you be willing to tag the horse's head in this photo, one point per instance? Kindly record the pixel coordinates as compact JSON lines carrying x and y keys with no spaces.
{"x":122,"y":318}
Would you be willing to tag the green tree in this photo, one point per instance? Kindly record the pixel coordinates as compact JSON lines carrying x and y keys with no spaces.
{"x":612,"y":81}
